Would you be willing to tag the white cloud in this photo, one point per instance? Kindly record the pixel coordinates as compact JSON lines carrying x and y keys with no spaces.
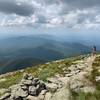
{"x":18,"y":21}
{"x":47,"y":13}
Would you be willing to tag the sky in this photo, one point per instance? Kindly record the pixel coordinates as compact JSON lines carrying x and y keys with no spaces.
{"x":57,"y":17}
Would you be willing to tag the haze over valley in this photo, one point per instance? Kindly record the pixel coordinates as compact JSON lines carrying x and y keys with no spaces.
{"x":24,"y":51}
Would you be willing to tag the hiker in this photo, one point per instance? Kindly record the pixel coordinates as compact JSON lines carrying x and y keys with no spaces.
{"x":94,"y":50}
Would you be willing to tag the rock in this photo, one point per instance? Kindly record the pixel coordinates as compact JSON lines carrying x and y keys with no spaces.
{"x":31,"y":98}
{"x":26,"y":82}
{"x":24,"y":87}
{"x":52,"y":87}
{"x":81,"y":66}
{"x":41,"y":86}
{"x":75,"y":72}
{"x":72,"y":67}
{"x":2,"y":91}
{"x":25,"y":76}
{"x":36,"y":79}
{"x":69,"y":75}
{"x":66,"y":72}
{"x":48,"y":96}
{"x":2,"y":80}
{"x":36,"y":89}
{"x":5,"y":96}
{"x":34,"y":83}
{"x":65,"y":81}
{"x":33,"y":90}
{"x":88,"y":89}
{"x":76,"y":85}
{"x":42,"y":95}
{"x":21,"y":93}
{"x":43,"y":92}
{"x":15,"y":98}
{"x":62,"y":94}
{"x":53,"y":80}
{"x":97,"y":78}
{"x":30,"y":77}
{"x":27,"y":86}
{"x":62,"y":66}
{"x":17,"y":91}
{"x":14,"y":87}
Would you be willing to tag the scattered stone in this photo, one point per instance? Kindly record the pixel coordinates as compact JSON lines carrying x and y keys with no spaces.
{"x":5,"y":96}
{"x":75,"y":72}
{"x":62,"y":94}
{"x":19,"y":92}
{"x":97,"y":78}
{"x":42,"y":95}
{"x":25,"y":76}
{"x":48,"y":96}
{"x":65,"y":81}
{"x":88,"y":89}
{"x":53,"y":80}
{"x":30,"y":77}
{"x":2,"y":91}
{"x":72,"y":67}
{"x":24,"y":87}
{"x":76,"y":85}
{"x":69,"y":75}
{"x":26,"y":82}
{"x":3,"y":79}
{"x":43,"y":92}
{"x":31,"y":98}
{"x":52,"y":87}
{"x":62,"y":66}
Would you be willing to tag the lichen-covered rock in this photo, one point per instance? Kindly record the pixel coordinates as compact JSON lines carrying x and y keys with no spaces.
{"x":52,"y":87}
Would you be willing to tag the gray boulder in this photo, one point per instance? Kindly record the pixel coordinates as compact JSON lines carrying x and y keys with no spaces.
{"x":26,"y":82}
{"x":32,"y":90}
{"x":52,"y":87}
{"x":17,"y":91}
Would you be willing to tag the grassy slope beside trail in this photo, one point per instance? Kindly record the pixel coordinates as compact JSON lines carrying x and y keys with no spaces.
{"x":50,"y":69}
{"x":41,"y":71}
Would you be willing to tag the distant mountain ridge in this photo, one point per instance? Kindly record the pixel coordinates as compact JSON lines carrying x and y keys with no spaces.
{"x":39,"y":49}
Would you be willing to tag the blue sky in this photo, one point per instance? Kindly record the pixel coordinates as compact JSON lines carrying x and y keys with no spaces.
{"x":73,"y":18}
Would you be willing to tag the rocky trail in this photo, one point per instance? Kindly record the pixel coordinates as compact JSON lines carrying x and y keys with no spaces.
{"x":57,"y":87}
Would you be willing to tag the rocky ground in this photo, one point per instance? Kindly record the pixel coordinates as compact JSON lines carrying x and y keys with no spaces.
{"x":59,"y":87}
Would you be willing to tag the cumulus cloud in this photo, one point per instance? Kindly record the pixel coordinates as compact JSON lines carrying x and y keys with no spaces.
{"x":83,"y":3}
{"x":11,"y":6}
{"x":51,"y":13}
